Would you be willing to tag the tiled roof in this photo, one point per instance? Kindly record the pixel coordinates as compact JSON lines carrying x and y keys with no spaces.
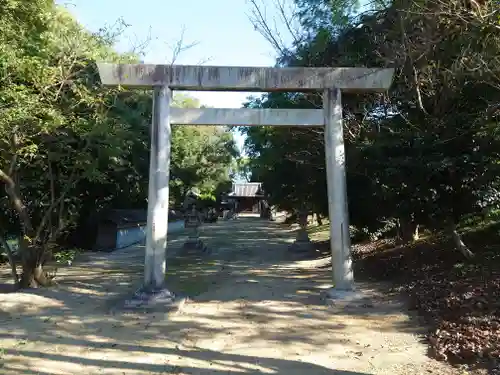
{"x":248,"y":189}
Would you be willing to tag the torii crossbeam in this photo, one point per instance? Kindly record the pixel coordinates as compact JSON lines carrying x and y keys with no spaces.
{"x":165,"y":78}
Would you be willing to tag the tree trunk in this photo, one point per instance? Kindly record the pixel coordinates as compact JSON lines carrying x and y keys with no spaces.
{"x":28,"y":263}
{"x":31,"y":256}
{"x":416,"y":234}
{"x":318,"y":219}
{"x":264,"y":209}
{"x":33,"y":275}
{"x":407,"y":230}
{"x":12,"y":261}
{"x":458,"y":242}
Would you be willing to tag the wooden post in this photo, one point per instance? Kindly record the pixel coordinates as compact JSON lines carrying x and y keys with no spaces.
{"x":337,"y":196}
{"x":159,"y":174}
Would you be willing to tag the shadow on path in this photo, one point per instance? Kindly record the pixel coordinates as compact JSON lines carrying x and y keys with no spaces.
{"x":254,"y":310}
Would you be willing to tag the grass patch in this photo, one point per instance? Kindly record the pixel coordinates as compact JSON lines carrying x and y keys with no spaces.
{"x":192,"y":276}
{"x":319,"y":233}
{"x":66,"y":257}
{"x":476,"y":223}
{"x":313,"y":229}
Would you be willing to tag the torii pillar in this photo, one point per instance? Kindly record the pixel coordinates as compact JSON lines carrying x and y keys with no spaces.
{"x":165,"y":78}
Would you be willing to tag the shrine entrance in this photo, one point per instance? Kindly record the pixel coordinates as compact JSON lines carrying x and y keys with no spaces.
{"x":163,"y":79}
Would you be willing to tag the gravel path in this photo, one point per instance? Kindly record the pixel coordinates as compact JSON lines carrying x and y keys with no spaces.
{"x":255,"y":311}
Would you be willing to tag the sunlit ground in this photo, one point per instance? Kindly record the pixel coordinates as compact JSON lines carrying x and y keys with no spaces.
{"x":254,"y":310}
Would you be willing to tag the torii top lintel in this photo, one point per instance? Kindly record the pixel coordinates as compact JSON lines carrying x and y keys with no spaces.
{"x":235,"y":78}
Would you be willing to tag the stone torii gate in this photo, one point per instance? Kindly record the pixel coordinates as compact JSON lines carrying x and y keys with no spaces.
{"x":165,"y":78}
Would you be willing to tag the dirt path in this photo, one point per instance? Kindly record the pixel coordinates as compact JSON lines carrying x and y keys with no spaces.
{"x":257,"y":311}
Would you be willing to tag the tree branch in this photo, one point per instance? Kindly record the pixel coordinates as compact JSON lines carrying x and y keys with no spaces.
{"x":15,"y":198}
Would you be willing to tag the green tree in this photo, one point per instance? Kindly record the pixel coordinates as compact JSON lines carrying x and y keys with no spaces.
{"x":56,"y":125}
{"x":425,"y":153}
{"x":201,"y":158}
{"x":69,"y":147}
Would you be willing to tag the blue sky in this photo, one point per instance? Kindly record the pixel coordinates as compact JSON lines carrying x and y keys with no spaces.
{"x":221,"y":29}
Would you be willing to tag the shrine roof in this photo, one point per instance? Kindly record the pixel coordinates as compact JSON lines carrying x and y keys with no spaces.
{"x":247,"y":189}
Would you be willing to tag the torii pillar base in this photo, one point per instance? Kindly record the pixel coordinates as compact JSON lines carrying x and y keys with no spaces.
{"x":155,"y":298}
{"x":347,"y":298}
